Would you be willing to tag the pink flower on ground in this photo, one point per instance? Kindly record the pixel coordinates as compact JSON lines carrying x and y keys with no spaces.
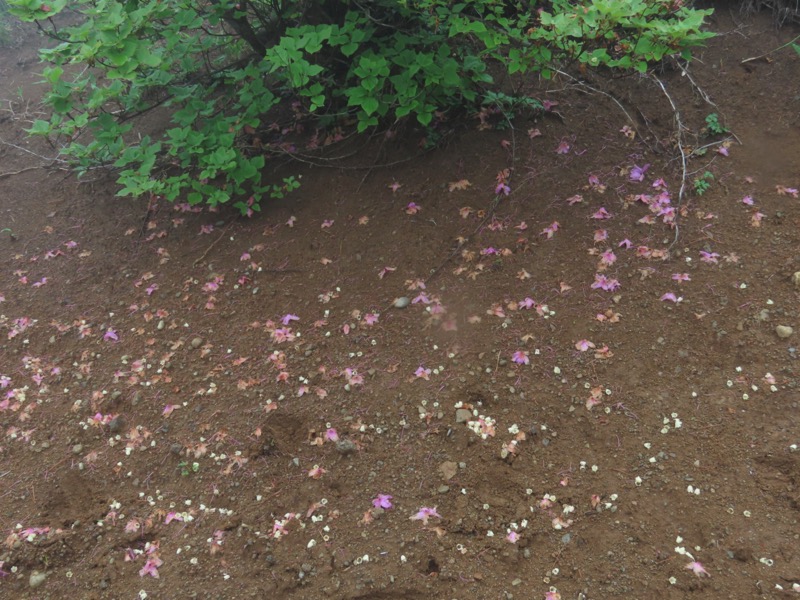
{"x":550,"y":230}
{"x":626,"y":243}
{"x":424,"y":514}
{"x":371,"y":318}
{"x":151,"y":567}
{"x":412,"y":208}
{"x":383,"y":501}
{"x":637,"y":172}
{"x":423,"y":373}
{"x":502,"y":188}
{"x":679,"y":277}
{"x":604,"y":283}
{"x":601,"y":235}
{"x":288,"y":318}
{"x":394,"y":186}
{"x":709,"y":257}
{"x":521,"y":357}
{"x":332,"y":435}
{"x":327,"y":224}
{"x":748,"y":200}
{"x":512,"y":536}
{"x":608,"y":258}
{"x":670,"y":297}
{"x":584,"y":345}
{"x":563,"y":147}
{"x":697,"y":568}
{"x":601,"y":213}
{"x":111,"y":336}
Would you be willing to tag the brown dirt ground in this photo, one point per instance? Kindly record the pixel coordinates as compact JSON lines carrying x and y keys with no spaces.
{"x":193,"y":437}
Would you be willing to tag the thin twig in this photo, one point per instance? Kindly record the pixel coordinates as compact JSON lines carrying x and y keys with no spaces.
{"x":26,"y":169}
{"x":685,"y":72}
{"x":679,"y":125}
{"x":489,"y":213}
{"x":580,"y":83}
{"x":214,"y":243}
{"x":766,"y":54}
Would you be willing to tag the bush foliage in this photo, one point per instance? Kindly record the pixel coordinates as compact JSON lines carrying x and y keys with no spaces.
{"x":227,"y":74}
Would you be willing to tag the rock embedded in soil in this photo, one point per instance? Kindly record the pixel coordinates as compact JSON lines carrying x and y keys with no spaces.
{"x":784,"y":331}
{"x":401,"y":302}
{"x":796,"y":279}
{"x":463,"y":415}
{"x":448,"y":469}
{"x":36,"y":579}
{"x":197,"y":342}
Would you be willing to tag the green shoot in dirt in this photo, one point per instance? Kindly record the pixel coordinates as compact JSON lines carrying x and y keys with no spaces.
{"x":237,"y":84}
{"x":187,"y":469}
{"x":703,"y":183}
{"x":713,"y":125}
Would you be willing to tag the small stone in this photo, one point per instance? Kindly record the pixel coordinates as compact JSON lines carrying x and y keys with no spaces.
{"x":516,"y":582}
{"x":160,"y":325}
{"x":116,"y":424}
{"x":784,"y":331}
{"x":401,"y":302}
{"x":463,"y":415}
{"x":77,"y":449}
{"x":345,"y":446}
{"x":566,"y":538}
{"x":197,"y":342}
{"x":448,"y":470}
{"x":796,"y":279}
{"x":36,"y":579}
{"x":443,"y":489}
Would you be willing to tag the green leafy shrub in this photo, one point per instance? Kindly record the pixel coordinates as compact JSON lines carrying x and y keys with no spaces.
{"x":703,"y":182}
{"x":713,"y":126}
{"x":229,"y":76}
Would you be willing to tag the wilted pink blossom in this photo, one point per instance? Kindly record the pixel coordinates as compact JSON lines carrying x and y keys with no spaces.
{"x":521,"y":357}
{"x":709,"y":257}
{"x":748,"y":200}
{"x":637,"y":172}
{"x":584,"y":345}
{"x":288,"y":318}
{"x":424,"y":514}
{"x":502,"y":188}
{"x":412,"y":208}
{"x":600,"y":235}
{"x":697,"y":568}
{"x":626,"y":243}
{"x":332,"y":435}
{"x":679,"y":277}
{"x":151,"y":567}
{"x":601,"y":213}
{"x":512,"y":536}
{"x":563,"y":147}
{"x":422,"y":373}
{"x":383,"y":501}
{"x":669,"y":297}
{"x":550,"y":230}
{"x":604,"y":283}
{"x":110,"y":336}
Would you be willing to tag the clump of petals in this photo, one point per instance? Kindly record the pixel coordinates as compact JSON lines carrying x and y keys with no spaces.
{"x":697,"y":568}
{"x":425,"y":513}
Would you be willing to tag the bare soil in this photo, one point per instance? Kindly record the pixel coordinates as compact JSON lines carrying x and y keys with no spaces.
{"x":197,"y":405}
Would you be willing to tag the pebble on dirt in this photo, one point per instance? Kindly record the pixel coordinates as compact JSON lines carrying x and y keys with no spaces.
{"x":401,"y":302}
{"x":36,"y":579}
{"x":784,"y":331}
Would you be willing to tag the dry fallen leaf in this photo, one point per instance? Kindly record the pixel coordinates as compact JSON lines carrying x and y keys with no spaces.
{"x":461,"y":184}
